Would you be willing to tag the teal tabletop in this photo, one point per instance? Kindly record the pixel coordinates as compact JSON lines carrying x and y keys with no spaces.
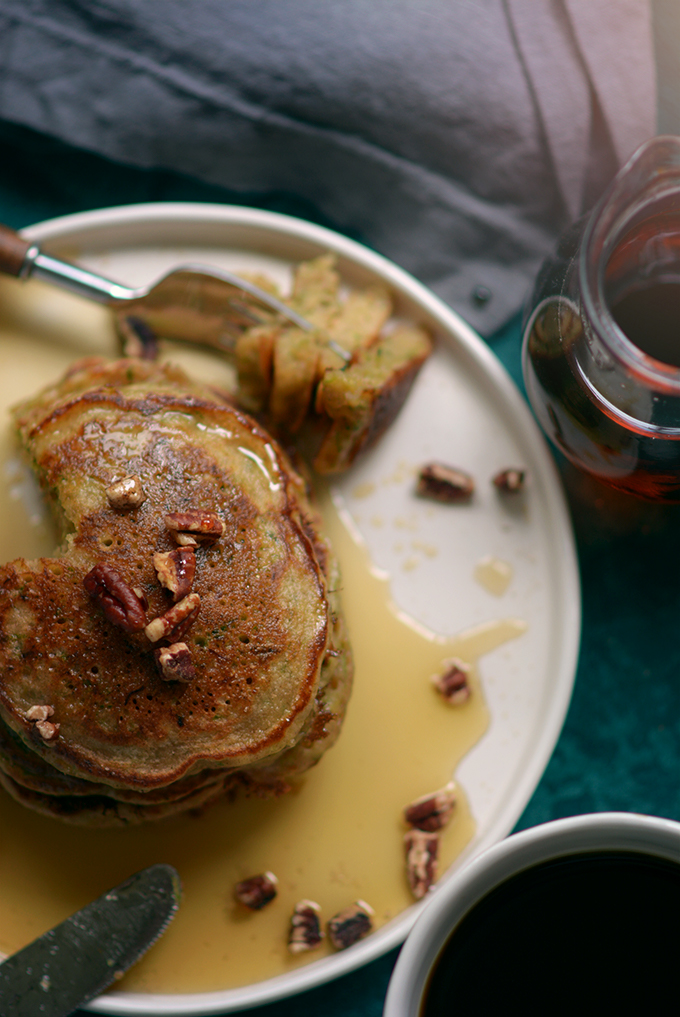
{"x":620,"y":746}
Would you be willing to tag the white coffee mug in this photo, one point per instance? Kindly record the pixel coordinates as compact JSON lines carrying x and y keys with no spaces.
{"x":454,"y":899}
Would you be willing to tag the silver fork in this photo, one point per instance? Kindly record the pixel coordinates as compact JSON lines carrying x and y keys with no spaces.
{"x":192,"y":303}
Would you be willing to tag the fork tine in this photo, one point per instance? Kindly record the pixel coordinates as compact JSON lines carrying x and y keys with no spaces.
{"x":246,"y":312}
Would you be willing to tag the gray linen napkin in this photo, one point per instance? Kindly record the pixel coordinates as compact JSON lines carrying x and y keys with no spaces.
{"x":458,"y":137}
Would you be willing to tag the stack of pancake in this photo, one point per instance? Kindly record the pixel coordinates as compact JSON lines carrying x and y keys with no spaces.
{"x":95,"y":725}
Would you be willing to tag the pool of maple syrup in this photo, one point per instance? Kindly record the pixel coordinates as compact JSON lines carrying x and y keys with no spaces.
{"x":335,"y":838}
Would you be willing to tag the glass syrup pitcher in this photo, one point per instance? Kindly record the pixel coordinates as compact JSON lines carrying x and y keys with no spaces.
{"x":601,"y":353}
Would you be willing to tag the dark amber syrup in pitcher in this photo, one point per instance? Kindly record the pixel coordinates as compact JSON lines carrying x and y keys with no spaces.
{"x":596,"y":411}
{"x":650,"y":318}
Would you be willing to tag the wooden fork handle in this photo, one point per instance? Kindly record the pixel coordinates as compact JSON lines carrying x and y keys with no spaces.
{"x":13,"y":250}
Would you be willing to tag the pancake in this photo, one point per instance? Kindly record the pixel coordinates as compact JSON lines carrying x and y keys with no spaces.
{"x":103,"y":811}
{"x":337,"y":388}
{"x":33,"y":773}
{"x":269,"y":663}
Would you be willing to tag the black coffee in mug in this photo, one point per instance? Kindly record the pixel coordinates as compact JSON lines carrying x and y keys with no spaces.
{"x":592,"y":933}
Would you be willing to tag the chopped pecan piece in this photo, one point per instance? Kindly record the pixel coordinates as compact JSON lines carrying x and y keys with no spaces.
{"x":174,"y":663}
{"x":257,"y":891}
{"x":176,"y":621}
{"x":422,"y":849}
{"x":39,"y":715}
{"x":453,"y":681}
{"x":433,"y":811}
{"x":350,"y":925}
{"x":176,"y":570}
{"x":142,"y":597}
{"x":305,"y":927}
{"x":185,"y":539}
{"x":509,"y":481}
{"x":47,"y":730}
{"x":126,"y":493}
{"x":39,"y":712}
{"x":444,"y":483}
{"x":195,"y":526}
{"x":117,"y":599}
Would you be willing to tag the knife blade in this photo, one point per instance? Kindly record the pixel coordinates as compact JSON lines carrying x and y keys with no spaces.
{"x":78,"y":959}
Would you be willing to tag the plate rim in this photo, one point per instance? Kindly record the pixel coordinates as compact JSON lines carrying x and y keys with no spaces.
{"x":459,"y":333}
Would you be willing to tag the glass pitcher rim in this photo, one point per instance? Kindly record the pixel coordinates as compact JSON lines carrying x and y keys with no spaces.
{"x":605,"y":226}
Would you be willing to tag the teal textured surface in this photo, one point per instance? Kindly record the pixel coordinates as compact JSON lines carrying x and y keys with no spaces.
{"x":620,"y":746}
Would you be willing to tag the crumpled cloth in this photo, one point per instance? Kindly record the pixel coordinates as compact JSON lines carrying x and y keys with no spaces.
{"x":457,"y":137}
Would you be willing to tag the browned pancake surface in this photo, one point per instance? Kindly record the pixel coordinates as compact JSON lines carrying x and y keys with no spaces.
{"x":263,"y":631}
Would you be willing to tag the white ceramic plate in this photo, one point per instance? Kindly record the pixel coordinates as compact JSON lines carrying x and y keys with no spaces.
{"x":463,"y":410}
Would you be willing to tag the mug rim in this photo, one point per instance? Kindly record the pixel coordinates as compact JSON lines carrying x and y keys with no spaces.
{"x":600,"y":831}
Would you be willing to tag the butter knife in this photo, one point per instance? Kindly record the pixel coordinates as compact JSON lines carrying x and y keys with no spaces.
{"x":75,"y":961}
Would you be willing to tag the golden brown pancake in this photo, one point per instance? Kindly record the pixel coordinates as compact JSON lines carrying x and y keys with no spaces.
{"x":271,"y":662}
{"x":33,"y":773}
{"x":101,"y":810}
